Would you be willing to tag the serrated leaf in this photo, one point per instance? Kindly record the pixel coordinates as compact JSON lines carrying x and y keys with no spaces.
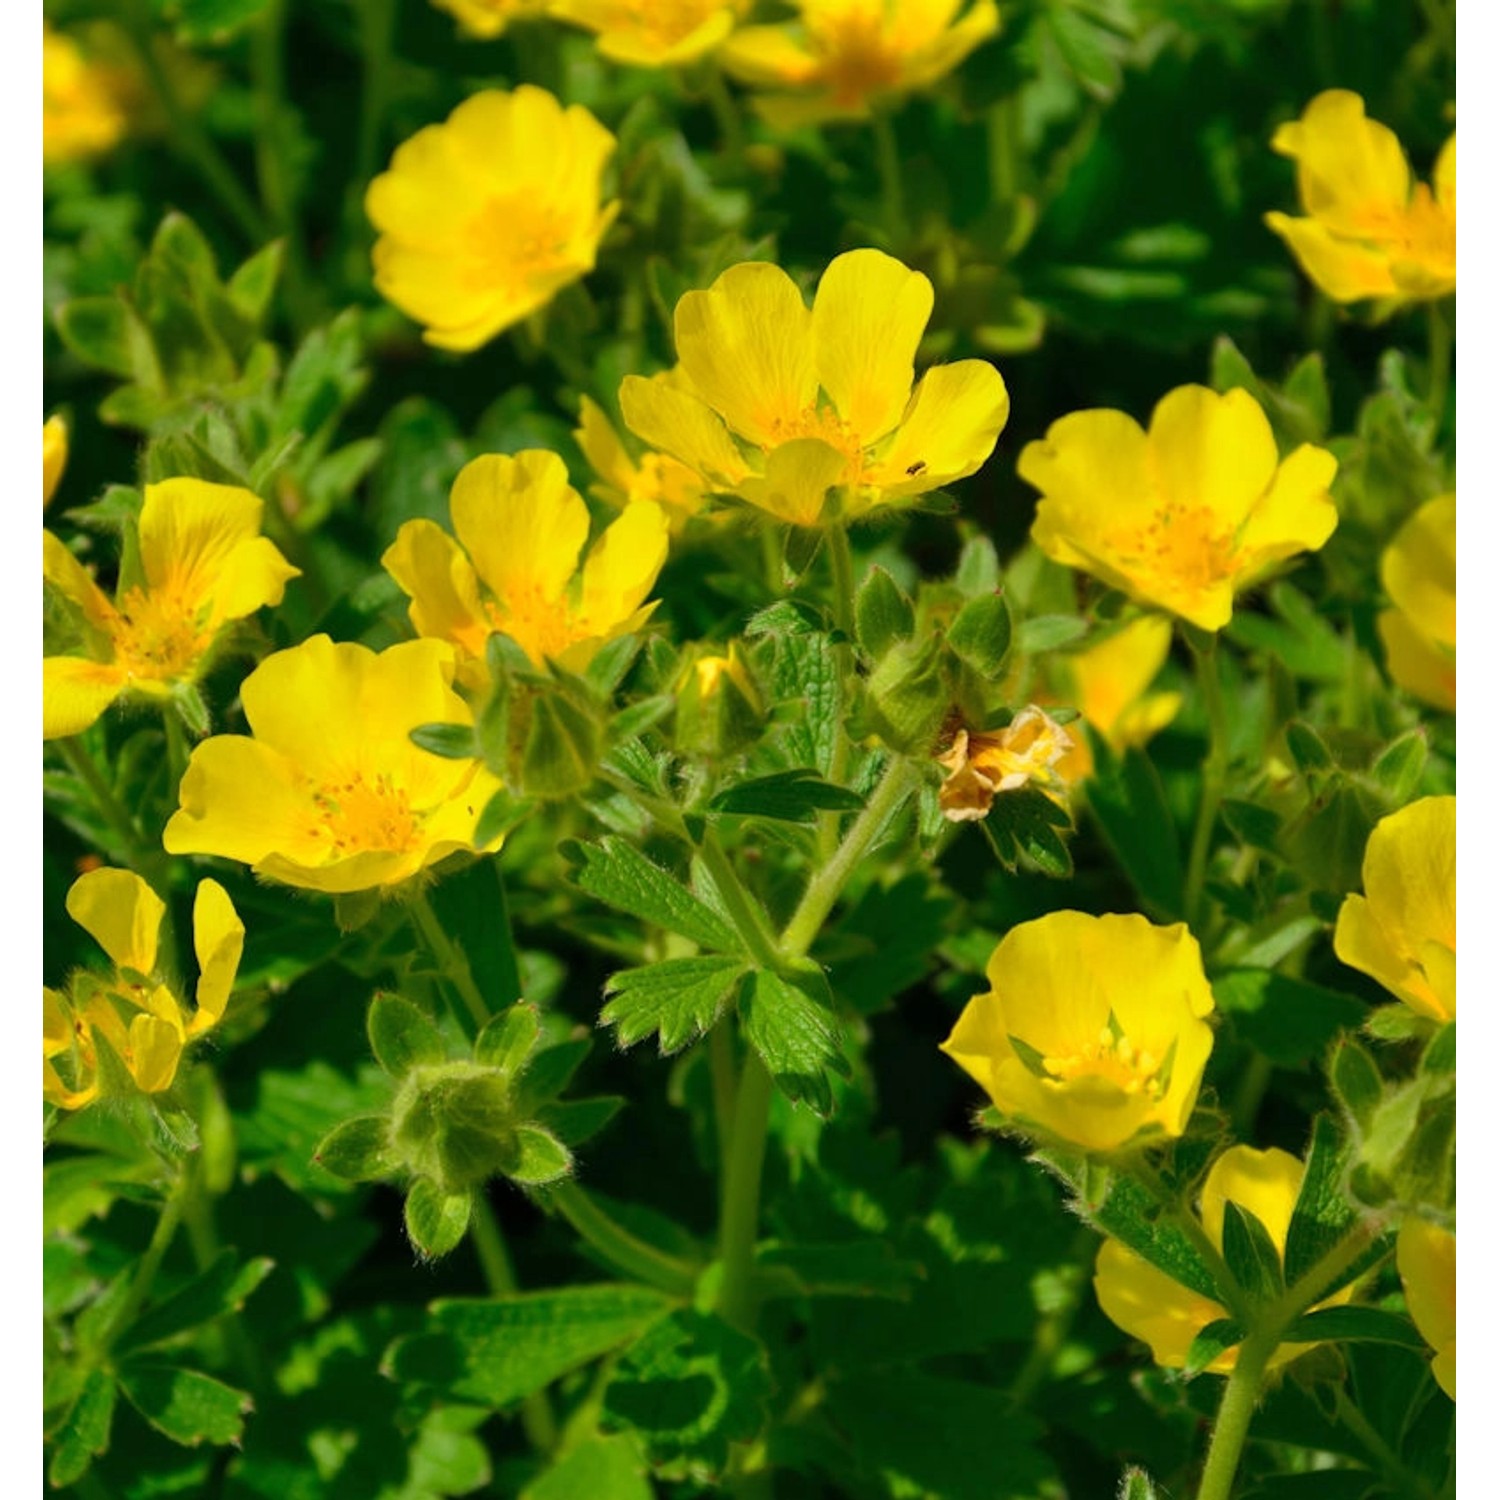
{"x":1026,"y":821}
{"x":84,"y":1434}
{"x":792,"y":1025}
{"x":688,"y":1388}
{"x":436,"y":1221}
{"x":624,"y":878}
{"x":1354,"y":1324}
{"x":883,"y":614}
{"x":679,"y":998}
{"x":186,"y":1405}
{"x":1251,"y":1254}
{"x":1129,"y":1213}
{"x":359,"y":1150}
{"x":1322,"y":1215}
{"x":1211,"y":1341}
{"x":796,"y":796}
{"x":221,"y":1289}
{"x":496,"y":1351}
{"x":402,"y":1035}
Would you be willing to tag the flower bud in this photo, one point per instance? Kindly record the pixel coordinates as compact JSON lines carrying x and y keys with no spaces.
{"x":908,"y":696}
{"x":719,"y":707}
{"x":454,"y":1123}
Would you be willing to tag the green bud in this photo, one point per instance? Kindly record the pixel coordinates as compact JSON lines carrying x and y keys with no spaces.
{"x":455,"y":1124}
{"x":563,"y":743}
{"x":908,"y":697}
{"x":883,"y":614}
{"x":719,"y":708}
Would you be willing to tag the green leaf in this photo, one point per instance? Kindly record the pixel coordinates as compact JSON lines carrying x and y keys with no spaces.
{"x":1288,"y":1020}
{"x":213,"y":21}
{"x":253,"y":284}
{"x":1251,"y":1254}
{"x":496,"y":1351}
{"x":1048,"y":632}
{"x":978,"y":570}
{"x":1026,"y":821}
{"x":791,"y":1022}
{"x":509,"y":1039}
{"x":1135,"y":1218}
{"x":1212,"y":1340}
{"x":472,"y":908}
{"x":1353,"y":1324}
{"x":102,"y":331}
{"x":1441,"y":1055}
{"x":679,"y":998}
{"x":402,"y":1036}
{"x":1398,"y":769}
{"x":84,"y":1434}
{"x":980,"y":635}
{"x":436,"y":1221}
{"x":549,"y":1072}
{"x":359,"y":1150}
{"x":539,"y":1157}
{"x":796,"y":796}
{"x":189,"y":1407}
{"x":451,"y":741}
{"x":622,"y":877}
{"x":1304,"y":642}
{"x":600,"y":1468}
{"x":575,"y":1121}
{"x":1307,"y":748}
{"x":803,"y":669}
{"x":845,"y":1268}
{"x":688,"y":1388}
{"x":883,"y":613}
{"x":1125,"y":796}
{"x":1356,"y":1081}
{"x":1322,"y":1215}
{"x":221,"y":1289}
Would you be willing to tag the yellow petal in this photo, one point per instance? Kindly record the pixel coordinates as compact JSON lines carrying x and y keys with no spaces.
{"x":867,"y":320}
{"x":1420,"y":570}
{"x":437,"y":575}
{"x":155,"y":1047}
{"x":797,"y":479}
{"x":218,"y":940}
{"x":1093,"y":470}
{"x":676,"y":421}
{"x":54,"y":455}
{"x":69,"y":576}
{"x":1351,"y":171}
{"x":121,"y":913}
{"x":746,"y":345}
{"x":621,"y":568}
{"x":1427,"y":1259}
{"x":1264,"y":1182}
{"x":1445,"y":175}
{"x":75,"y":692}
{"x":1417,"y":666}
{"x":601,"y":445}
{"x":1150,"y":1306}
{"x":1211,"y":450}
{"x":948,"y":430}
{"x":521,"y":523}
{"x":1113,"y":674}
{"x":768,"y":56}
{"x":1297,"y":514}
{"x":1346,"y":270}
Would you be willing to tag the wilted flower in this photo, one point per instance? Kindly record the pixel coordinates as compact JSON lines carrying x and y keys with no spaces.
{"x":1404,"y":930}
{"x":657,"y":476}
{"x":1371,"y":232}
{"x":1092,"y":1029}
{"x":514,"y":567}
{"x":135,"y":1010}
{"x":1427,"y":1259}
{"x":1108,"y":684}
{"x":483,"y":219}
{"x":982,"y":764}
{"x":1161,"y":1312}
{"x":331,"y":793}
{"x":82,"y":112}
{"x":654,"y":33}
{"x":54,"y":456}
{"x":1420,"y":573}
{"x":842,"y":58}
{"x":203,"y":563}
{"x":788,"y":408}
{"x":1185,"y":515}
{"x":488,"y":18}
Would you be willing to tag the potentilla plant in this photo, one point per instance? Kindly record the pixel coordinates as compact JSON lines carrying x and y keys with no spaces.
{"x":563,"y":740}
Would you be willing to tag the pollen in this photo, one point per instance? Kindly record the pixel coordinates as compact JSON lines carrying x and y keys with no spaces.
{"x":366,"y":813}
{"x":1113,"y":1057}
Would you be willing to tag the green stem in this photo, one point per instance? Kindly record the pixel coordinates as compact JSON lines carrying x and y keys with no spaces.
{"x":740,"y":1216}
{"x":177,"y":750}
{"x":888,"y":159}
{"x":841,"y":570}
{"x":1002,"y":124}
{"x":824,"y":888}
{"x":189,"y":138}
{"x":623,"y":1250}
{"x":150,"y":1263}
{"x":1215,"y":768}
{"x":744,"y":911}
{"x":1400,"y":1478}
{"x":377,"y":32}
{"x":1232,"y":1425}
{"x":203,"y":1238}
{"x":721,"y":1068}
{"x":500,"y":1277}
{"x":449,"y":958}
{"x":1439,"y":356}
{"x":665,"y":813}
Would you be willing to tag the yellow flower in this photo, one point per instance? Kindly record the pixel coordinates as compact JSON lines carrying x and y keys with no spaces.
{"x":1404,"y":930}
{"x":330,"y":793}
{"x":54,"y":456}
{"x":82,"y":114}
{"x":203,"y":564}
{"x":488,"y":18}
{"x":842,"y":58}
{"x":1092,"y":1029}
{"x":1427,"y":1258}
{"x":514,"y":567}
{"x":980,"y":765}
{"x":1161,"y":1312}
{"x":657,"y":477}
{"x":789,"y":408}
{"x":1185,"y":515}
{"x":1108,"y":685}
{"x":1420,"y":573}
{"x":135,"y":1010}
{"x":654,"y":33}
{"x":1371,"y":232}
{"x":483,"y":219}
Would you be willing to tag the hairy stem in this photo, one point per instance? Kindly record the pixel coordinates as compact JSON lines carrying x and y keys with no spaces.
{"x":1232,"y":1425}
{"x":740,"y":1217}
{"x":622,"y":1249}
{"x":449,"y":957}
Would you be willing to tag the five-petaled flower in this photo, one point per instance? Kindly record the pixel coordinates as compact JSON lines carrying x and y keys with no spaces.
{"x":1092,"y":1030}
{"x":484,"y":218}
{"x":203,"y":564}
{"x":653,"y":33}
{"x":1370,"y":232}
{"x":514,"y":567}
{"x":1420,"y":631}
{"x":811,"y":415}
{"x":1404,"y":930}
{"x":1151,"y":1306}
{"x":329,"y":792}
{"x":134,"y":1010}
{"x":1186,"y":514}
{"x":1427,"y":1261}
{"x":841,"y":59}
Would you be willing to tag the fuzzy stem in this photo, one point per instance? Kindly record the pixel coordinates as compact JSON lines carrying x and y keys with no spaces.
{"x":623,"y":1250}
{"x":449,"y":958}
{"x":741,"y":1204}
{"x":1232,"y":1425}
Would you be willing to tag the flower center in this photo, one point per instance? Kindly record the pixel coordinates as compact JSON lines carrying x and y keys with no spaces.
{"x":825,"y":424}
{"x":1181,"y":546}
{"x":660,"y":22}
{"x":543,"y":627}
{"x":157,"y":635}
{"x":1113,"y":1057}
{"x":514,"y":239}
{"x":860,"y":59}
{"x":363,"y":813}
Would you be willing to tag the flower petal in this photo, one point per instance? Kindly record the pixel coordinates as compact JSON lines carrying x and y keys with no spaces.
{"x":621,"y":568}
{"x":218,"y":940}
{"x":601,"y":445}
{"x":1346,"y":270}
{"x":1420,"y":570}
{"x":1297,"y":513}
{"x":1152,"y":1307}
{"x":1427,"y":1260}
{"x":75,"y":692}
{"x":678,"y":422}
{"x":69,"y":576}
{"x":436,"y":574}
{"x":155,"y":1046}
{"x":798,"y":476}
{"x":1351,"y":171}
{"x":121,"y":913}
{"x":1211,"y":450}
{"x":948,"y":431}
{"x":1417,"y":666}
{"x":1264,"y":1182}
